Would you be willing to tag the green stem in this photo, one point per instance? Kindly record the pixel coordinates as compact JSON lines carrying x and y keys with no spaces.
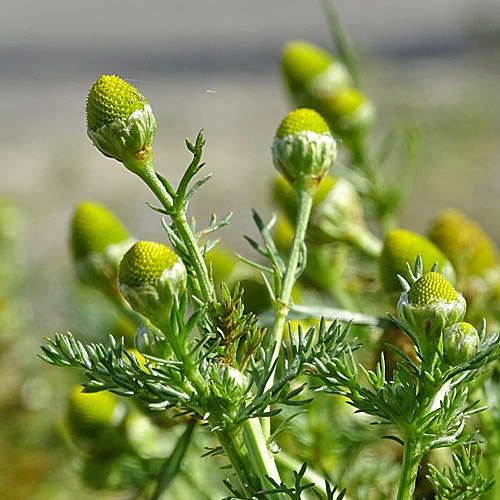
{"x":197,"y":261}
{"x":256,"y":445}
{"x":412,"y":455}
{"x":305,"y":194}
{"x":367,"y":242}
{"x":234,"y":446}
{"x":148,"y":175}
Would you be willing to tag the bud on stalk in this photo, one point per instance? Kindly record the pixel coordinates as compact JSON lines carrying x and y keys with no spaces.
{"x":150,"y":276}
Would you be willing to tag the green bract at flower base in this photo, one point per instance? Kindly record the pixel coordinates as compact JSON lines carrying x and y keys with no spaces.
{"x":460,"y":343}
{"x":303,"y":148}
{"x":430,"y":305}
{"x":150,"y":276}
{"x":120,"y":122}
{"x":98,"y":242}
{"x":402,"y":247}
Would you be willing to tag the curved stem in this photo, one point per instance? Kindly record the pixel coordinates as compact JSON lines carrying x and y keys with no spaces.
{"x":412,"y":455}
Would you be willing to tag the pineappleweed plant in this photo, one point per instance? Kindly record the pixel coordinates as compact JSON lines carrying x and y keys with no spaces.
{"x":198,"y":351}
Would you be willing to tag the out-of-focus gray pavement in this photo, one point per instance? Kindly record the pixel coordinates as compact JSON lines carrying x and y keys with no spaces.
{"x":214,"y":65}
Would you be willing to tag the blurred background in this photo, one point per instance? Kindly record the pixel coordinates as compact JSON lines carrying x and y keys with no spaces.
{"x":211,"y":65}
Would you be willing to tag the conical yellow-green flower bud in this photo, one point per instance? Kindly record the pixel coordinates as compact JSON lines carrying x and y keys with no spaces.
{"x":303,"y":148}
{"x":120,"y":121}
{"x":311,"y":73}
{"x":94,"y":419}
{"x":150,"y":276}
{"x":318,"y":81}
{"x":93,"y":229}
{"x":465,"y":243}
{"x":430,"y":305}
{"x":346,"y":111}
{"x":430,"y":288}
{"x":98,"y":242}
{"x":460,"y":343}
{"x":402,"y":247}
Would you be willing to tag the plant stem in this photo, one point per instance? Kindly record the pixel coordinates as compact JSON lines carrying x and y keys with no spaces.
{"x":304,"y":201}
{"x":256,"y":445}
{"x":200,"y":268}
{"x":367,"y":242}
{"x":179,"y":219}
{"x":246,"y":448}
{"x":234,"y":447}
{"x":412,"y":455}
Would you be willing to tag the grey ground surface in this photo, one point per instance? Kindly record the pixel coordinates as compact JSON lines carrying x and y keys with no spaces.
{"x":214,"y":65}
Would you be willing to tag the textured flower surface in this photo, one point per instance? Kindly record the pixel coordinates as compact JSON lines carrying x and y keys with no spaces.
{"x":460,"y":343}
{"x":430,"y":305}
{"x":111,"y":99}
{"x":303,"y":147}
{"x":432,"y":287}
{"x":120,"y":121}
{"x":150,"y":276}
{"x":145,"y":262}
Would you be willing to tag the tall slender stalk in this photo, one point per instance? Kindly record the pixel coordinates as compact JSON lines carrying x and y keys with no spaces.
{"x":304,"y":204}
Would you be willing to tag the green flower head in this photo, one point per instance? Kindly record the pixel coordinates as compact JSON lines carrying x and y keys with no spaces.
{"x":303,"y":148}
{"x":93,"y":419}
{"x":347,"y":110}
{"x":150,"y":276}
{"x":402,"y":247}
{"x":311,"y":73}
{"x":120,"y":121}
{"x":98,"y":242}
{"x":465,"y":243}
{"x":430,"y":305}
{"x":460,"y":343}
{"x":93,"y":229}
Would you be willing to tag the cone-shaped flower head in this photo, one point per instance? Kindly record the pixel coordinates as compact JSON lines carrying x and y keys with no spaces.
{"x":98,"y":242}
{"x":317,"y":80}
{"x":150,"y":276}
{"x":465,"y":243}
{"x":312,"y":73}
{"x":303,"y":148}
{"x":400,"y":247}
{"x":93,"y":420}
{"x":460,"y":343}
{"x":430,"y":305}
{"x":347,"y":111}
{"x":120,"y":121}
{"x":94,"y":228}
